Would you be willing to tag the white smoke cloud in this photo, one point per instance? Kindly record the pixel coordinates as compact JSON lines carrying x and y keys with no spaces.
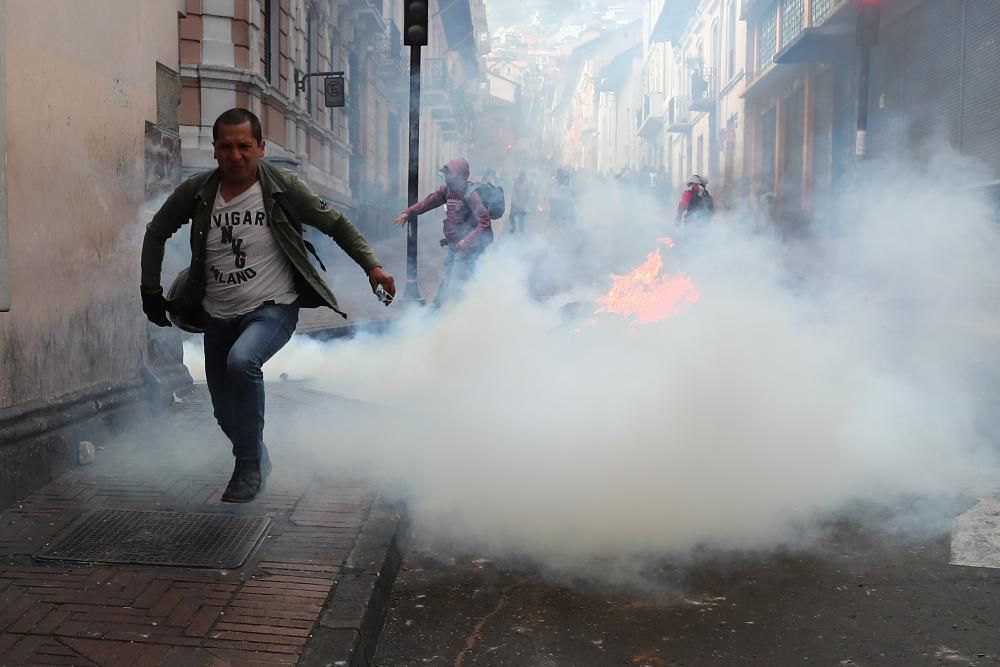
{"x":847,"y":365}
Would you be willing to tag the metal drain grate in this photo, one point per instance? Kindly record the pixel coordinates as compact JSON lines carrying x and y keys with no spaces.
{"x":216,"y":541}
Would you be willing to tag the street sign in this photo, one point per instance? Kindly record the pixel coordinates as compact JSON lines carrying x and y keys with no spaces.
{"x":333,"y":91}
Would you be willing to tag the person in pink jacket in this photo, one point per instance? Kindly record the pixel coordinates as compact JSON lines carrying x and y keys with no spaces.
{"x":468,"y":230}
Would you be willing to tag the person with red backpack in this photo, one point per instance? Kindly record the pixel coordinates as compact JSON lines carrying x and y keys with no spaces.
{"x":696,"y":203}
{"x":468,"y":228}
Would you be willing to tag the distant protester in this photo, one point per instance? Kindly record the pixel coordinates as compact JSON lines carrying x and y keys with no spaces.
{"x":696,"y":203}
{"x":562,"y":200}
{"x":468,"y":228}
{"x":520,"y":202}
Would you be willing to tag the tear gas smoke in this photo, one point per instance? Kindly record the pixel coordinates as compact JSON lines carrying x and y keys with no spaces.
{"x":844,"y":365}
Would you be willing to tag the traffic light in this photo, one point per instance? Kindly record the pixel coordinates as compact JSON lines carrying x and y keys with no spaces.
{"x":415,"y":18}
{"x":868,"y":20}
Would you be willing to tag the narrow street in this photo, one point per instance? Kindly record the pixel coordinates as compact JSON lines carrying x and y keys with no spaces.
{"x":499,"y":333}
{"x":862,"y":597}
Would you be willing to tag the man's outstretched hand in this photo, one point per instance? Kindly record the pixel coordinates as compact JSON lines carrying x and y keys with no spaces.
{"x":378,"y":277}
{"x":403,"y":218}
{"x":155,"y":307}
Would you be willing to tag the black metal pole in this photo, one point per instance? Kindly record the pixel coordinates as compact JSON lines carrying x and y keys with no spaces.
{"x":861,"y":138}
{"x":412,"y":292}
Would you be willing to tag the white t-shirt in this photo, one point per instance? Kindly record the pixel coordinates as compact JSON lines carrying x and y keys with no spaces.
{"x":244,"y":265}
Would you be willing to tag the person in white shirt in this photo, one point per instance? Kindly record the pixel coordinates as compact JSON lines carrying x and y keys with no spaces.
{"x":249,"y":275}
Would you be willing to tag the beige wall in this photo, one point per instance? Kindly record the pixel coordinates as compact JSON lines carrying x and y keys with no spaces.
{"x":81,"y":83}
{"x":316,"y":139}
{"x":435,"y":147}
{"x":731,"y":105}
{"x":682,"y":154}
{"x":4,"y":268}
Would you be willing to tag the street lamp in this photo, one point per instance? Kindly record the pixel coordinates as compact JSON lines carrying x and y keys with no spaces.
{"x":415,"y":31}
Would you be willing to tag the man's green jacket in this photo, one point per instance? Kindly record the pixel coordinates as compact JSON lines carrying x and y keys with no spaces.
{"x":194,"y":199}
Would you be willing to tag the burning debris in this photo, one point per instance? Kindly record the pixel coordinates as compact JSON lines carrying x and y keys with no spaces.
{"x":645,"y":296}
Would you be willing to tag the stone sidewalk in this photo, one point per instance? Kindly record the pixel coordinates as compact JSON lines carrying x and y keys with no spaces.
{"x":312,"y":592}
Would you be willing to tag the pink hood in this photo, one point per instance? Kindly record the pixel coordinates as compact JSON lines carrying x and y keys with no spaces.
{"x":459,"y":167}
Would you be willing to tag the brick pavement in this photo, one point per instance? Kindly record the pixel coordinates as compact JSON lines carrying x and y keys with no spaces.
{"x":262,"y":614}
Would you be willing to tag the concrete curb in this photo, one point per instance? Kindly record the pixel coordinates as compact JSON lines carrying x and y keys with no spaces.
{"x":354,"y":614}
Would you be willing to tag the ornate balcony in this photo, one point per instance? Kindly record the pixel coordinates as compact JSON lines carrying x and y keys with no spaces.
{"x":704,"y":90}
{"x":651,"y":115}
{"x":435,"y":84}
{"x":679,"y":115}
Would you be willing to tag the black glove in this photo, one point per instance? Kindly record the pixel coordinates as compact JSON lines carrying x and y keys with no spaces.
{"x":155,"y":307}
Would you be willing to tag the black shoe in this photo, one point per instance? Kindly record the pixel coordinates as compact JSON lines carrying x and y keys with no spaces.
{"x":245,"y":482}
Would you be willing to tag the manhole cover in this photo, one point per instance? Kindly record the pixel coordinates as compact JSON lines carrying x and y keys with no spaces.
{"x":218,"y":541}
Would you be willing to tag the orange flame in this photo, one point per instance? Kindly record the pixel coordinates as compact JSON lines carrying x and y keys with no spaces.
{"x":645,"y":296}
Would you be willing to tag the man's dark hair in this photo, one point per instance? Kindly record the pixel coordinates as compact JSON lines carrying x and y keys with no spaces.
{"x":238,"y":117}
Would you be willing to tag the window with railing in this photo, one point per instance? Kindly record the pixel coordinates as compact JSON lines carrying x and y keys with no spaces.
{"x":767,"y":39}
{"x":679,"y":110}
{"x":395,"y":41}
{"x":792,"y":15}
{"x":703,"y":84}
{"x":821,"y":9}
{"x":437,"y":73}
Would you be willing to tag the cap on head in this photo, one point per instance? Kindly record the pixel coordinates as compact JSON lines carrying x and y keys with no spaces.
{"x":695,"y":179}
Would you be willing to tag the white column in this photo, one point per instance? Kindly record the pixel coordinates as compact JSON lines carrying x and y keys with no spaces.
{"x":291,"y":135}
{"x":302,"y":143}
{"x":217,"y":97}
{"x":217,"y":33}
{"x":256,"y":57}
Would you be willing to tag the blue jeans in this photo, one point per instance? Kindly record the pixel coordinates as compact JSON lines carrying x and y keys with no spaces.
{"x":459,"y":265}
{"x":235,"y":350}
